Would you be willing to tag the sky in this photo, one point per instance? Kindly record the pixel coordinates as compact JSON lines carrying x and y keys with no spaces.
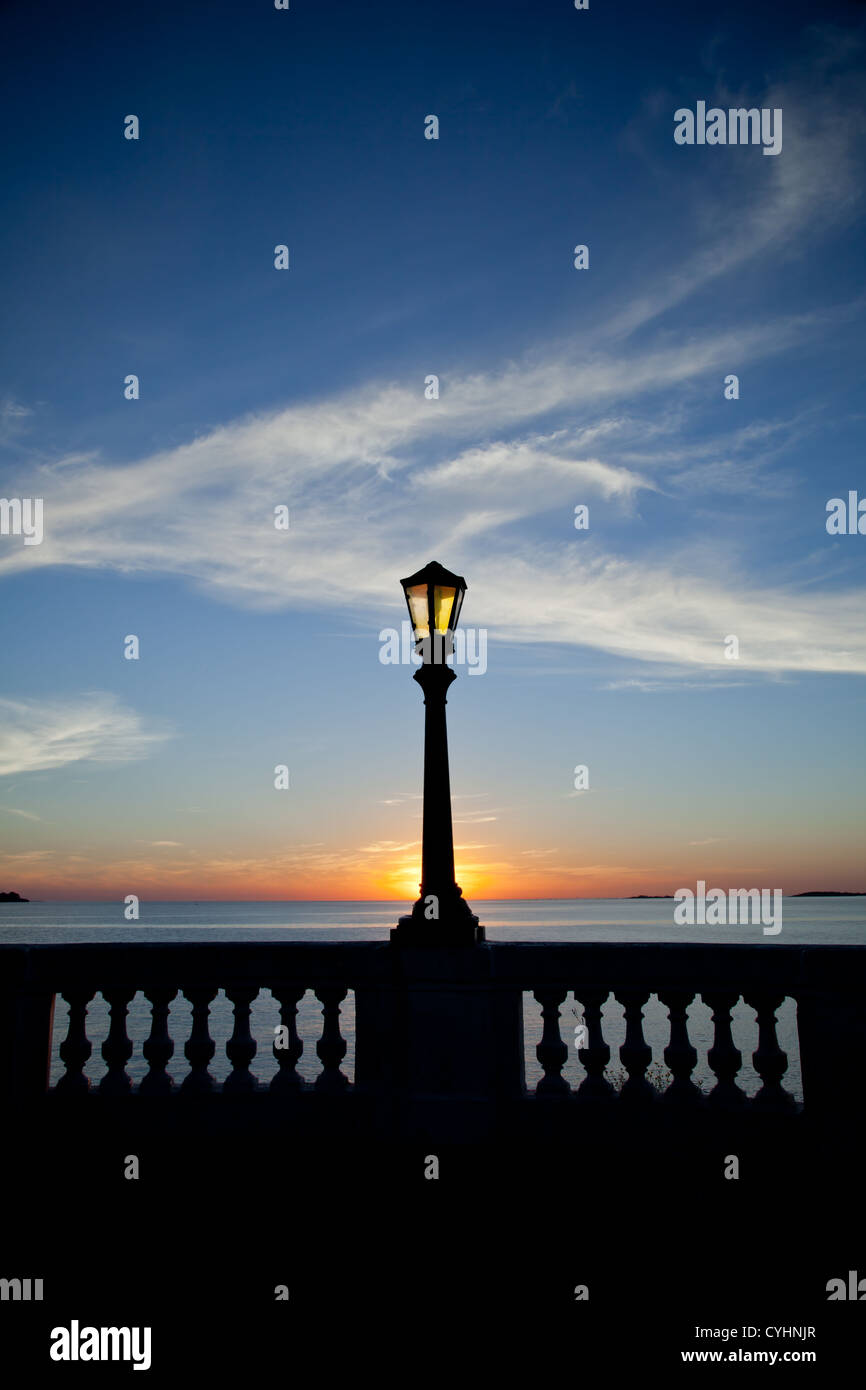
{"x":607,"y":647}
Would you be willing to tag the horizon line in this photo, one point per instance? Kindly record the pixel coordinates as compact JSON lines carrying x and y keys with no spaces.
{"x":619,"y":897}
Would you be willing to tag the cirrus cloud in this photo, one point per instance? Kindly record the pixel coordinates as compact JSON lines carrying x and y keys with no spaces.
{"x":40,"y":735}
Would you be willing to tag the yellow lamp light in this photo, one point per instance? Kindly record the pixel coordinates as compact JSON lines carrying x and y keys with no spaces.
{"x":434,"y":596}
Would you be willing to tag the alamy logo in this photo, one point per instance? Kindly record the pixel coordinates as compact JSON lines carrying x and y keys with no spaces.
{"x":101,"y":1344}
{"x":855,"y":1292}
{"x":737,"y":126}
{"x":21,"y":1290}
{"x":718,"y":909}
{"x":22,"y":516}
{"x":846,"y":519}
{"x":466,"y":647}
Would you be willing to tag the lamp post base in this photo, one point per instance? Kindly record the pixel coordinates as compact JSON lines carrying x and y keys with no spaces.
{"x":408,"y":932}
{"x":454,"y":925}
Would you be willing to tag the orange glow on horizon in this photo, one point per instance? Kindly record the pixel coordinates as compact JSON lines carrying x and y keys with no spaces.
{"x":402,"y":883}
{"x":356,"y":875}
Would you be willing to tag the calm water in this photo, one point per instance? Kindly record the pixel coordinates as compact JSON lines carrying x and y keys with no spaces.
{"x":826,"y":921}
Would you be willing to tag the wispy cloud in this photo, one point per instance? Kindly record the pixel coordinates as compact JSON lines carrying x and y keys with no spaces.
{"x":205,"y":511}
{"x":27,"y":856}
{"x":36,"y":735}
{"x":387,"y":847}
{"x":746,"y":213}
{"x":13,"y":419}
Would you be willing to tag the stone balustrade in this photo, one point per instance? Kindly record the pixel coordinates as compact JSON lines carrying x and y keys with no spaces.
{"x":439,"y":1034}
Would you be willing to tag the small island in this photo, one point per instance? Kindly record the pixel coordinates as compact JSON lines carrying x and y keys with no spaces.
{"x":12,"y":898}
{"x":827,"y":893}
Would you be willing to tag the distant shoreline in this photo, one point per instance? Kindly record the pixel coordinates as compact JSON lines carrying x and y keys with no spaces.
{"x":197,"y":902}
{"x":813,"y":893}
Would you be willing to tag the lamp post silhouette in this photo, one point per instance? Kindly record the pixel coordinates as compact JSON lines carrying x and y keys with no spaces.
{"x":441,"y":916}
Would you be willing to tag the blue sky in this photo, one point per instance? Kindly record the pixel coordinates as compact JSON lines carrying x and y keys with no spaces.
{"x":306,"y":387}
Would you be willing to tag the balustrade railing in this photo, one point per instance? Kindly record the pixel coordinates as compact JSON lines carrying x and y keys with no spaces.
{"x":725,"y":1062}
{"x":442,"y":1024}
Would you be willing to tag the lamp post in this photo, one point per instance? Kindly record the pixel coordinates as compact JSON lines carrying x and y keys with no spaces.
{"x":440,"y":917}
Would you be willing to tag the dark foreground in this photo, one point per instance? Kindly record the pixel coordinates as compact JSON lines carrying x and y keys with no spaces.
{"x":390,"y":1273}
{"x":403,"y":1252}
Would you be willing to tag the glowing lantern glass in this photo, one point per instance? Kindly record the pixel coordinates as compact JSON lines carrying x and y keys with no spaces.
{"x":434,"y":596}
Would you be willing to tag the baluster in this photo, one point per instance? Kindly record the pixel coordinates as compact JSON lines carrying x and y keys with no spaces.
{"x":680,"y":1056}
{"x":635,"y":1054}
{"x":117,"y":1048}
{"x":331,"y":1047}
{"x":551,"y":1051}
{"x":769,"y":1061}
{"x":76,"y":1048}
{"x":241,"y":1047}
{"x":724,"y":1059}
{"x":158,"y":1049}
{"x":596,"y":1055}
{"x":287,"y":1078}
{"x":200,"y":1046}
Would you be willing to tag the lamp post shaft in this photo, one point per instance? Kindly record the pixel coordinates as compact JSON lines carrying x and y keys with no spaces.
{"x":437,"y":852}
{"x":441,"y":916}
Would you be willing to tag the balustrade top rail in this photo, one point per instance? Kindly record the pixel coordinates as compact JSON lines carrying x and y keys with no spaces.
{"x":509,"y":964}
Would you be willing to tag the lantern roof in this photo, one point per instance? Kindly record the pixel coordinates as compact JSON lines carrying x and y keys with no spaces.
{"x":434,"y":573}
